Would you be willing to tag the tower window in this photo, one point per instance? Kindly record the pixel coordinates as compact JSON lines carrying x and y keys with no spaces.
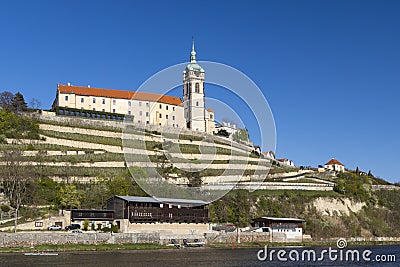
{"x":160,"y":106}
{"x":166,"y":116}
{"x":166,"y":107}
{"x":82,"y":100}
{"x":104,"y":101}
{"x":197,"y":103}
{"x":66,"y":98}
{"x":114,"y":102}
{"x":173,"y":108}
{"x":173,"y":118}
{"x":94,"y":100}
{"x":160,"y":115}
{"x":147,"y":114}
{"x":197,"y":88}
{"x":130,"y":103}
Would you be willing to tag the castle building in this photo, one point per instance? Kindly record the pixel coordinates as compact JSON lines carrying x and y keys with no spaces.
{"x":141,"y":107}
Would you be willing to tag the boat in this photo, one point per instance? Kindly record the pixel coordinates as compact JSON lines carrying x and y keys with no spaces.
{"x":195,"y":243}
{"x":41,"y":253}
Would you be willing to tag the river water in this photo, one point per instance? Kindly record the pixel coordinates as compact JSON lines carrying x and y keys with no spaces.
{"x":205,"y":257}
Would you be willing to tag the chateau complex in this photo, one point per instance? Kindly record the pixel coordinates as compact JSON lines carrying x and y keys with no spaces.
{"x":141,"y":107}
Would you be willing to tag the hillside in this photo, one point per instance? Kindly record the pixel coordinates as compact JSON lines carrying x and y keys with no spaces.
{"x":71,"y":163}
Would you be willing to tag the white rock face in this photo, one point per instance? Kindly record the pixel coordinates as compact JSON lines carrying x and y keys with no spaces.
{"x":330,"y":206}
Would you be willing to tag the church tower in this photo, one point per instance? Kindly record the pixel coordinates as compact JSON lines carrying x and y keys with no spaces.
{"x":193,"y":94}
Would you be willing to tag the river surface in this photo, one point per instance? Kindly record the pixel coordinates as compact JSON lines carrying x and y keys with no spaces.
{"x":204,"y":257}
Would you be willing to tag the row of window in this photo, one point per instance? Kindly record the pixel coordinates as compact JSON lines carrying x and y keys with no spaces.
{"x":114,"y":102}
{"x":166,"y":117}
{"x":196,"y":87}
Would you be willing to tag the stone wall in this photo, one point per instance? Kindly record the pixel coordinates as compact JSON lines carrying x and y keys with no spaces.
{"x":64,"y":238}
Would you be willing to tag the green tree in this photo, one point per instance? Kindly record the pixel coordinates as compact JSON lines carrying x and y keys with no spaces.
{"x":69,"y":196}
{"x":241,"y":135}
{"x":19,"y":103}
{"x":222,"y":132}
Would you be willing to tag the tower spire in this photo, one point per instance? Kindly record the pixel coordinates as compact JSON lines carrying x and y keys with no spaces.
{"x":193,"y":53}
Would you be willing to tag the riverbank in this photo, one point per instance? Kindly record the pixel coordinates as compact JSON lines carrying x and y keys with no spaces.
{"x":148,"y":246}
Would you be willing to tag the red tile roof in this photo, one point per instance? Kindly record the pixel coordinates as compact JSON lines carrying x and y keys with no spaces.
{"x":100,"y":92}
{"x":210,"y":110}
{"x":333,"y":161}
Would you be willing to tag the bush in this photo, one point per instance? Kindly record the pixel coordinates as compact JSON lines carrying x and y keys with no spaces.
{"x":85,"y":224}
{"x":5,"y":208}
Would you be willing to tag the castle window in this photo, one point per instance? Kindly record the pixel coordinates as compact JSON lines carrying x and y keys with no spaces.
{"x":166,"y":116}
{"x":129,"y":112}
{"x":140,"y":113}
{"x":94,"y":100}
{"x":147,"y":114}
{"x":197,"y":88}
{"x":140,"y":104}
{"x":173,"y":118}
{"x":160,"y":115}
{"x":197,"y":103}
{"x":103,"y":110}
{"x":173,"y":108}
{"x":113,"y":110}
{"x":211,"y":116}
{"x":94,"y":109}
{"x":82,"y":100}
{"x":114,"y":102}
{"x":129,"y":103}
{"x":104,"y":101}
{"x":166,"y":107}
{"x":66,"y":98}
{"x":147,"y":104}
{"x":160,"y":106}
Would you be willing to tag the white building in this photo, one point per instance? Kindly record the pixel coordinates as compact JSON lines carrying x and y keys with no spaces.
{"x":292,"y":228}
{"x":230,"y":128}
{"x":334,"y":165}
{"x":141,"y":107}
{"x":287,"y":162}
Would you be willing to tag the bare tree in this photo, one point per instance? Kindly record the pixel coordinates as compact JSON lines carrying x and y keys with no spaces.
{"x":34,"y":103}
{"x":7,"y":101}
{"x":16,"y":176}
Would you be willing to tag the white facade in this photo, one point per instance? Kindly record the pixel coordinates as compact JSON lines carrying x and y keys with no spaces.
{"x":230,"y":128}
{"x":146,"y":108}
{"x":334,"y":165}
{"x":193,"y":95}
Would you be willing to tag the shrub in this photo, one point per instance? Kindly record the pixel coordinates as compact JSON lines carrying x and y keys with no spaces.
{"x":5,"y":208}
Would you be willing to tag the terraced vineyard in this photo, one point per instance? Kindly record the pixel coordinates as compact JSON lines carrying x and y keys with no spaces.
{"x":83,"y":151}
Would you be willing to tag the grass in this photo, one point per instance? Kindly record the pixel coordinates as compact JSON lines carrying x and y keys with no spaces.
{"x":37,"y":147}
{"x":81,"y":125}
{"x":308,"y":193}
{"x":83,"y":138}
{"x":300,"y":244}
{"x":69,"y":171}
{"x":84,"y":247}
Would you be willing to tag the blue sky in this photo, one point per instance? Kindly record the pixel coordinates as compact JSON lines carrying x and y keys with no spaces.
{"x":329,"y":69}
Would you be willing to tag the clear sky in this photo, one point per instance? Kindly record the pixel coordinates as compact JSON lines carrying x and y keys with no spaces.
{"x":330,"y":70}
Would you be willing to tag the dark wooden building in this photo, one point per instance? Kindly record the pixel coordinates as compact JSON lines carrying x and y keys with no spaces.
{"x":149,"y":209}
{"x":92,"y":215}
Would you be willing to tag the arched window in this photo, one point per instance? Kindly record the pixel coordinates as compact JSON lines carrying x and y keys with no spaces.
{"x":197,"y":104}
{"x":197,"y":88}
